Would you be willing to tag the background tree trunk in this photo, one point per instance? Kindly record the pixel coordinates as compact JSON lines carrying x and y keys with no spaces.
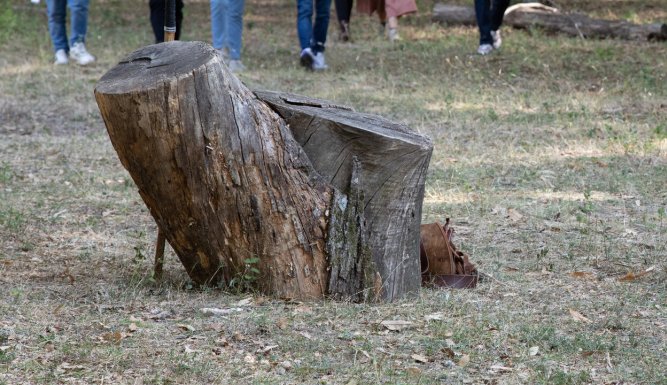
{"x":233,"y":190}
{"x":550,"y":19}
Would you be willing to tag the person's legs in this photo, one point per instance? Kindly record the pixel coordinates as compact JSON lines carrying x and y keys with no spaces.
{"x":57,"y":14}
{"x":218,"y":23}
{"x":483,"y":14}
{"x":234,"y":25}
{"x":322,"y":12}
{"x":304,"y":22}
{"x":157,"y":19}
{"x":343,"y":10}
{"x":79,"y":19}
{"x":497,"y":12}
{"x":179,"y":18}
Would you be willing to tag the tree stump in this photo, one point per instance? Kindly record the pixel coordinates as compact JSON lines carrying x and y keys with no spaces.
{"x":238,"y":198}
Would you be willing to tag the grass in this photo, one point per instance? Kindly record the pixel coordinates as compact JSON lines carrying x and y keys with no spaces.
{"x":550,"y":157}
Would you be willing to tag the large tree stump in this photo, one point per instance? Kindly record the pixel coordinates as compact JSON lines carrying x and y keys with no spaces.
{"x":227,"y":182}
{"x":530,"y":15}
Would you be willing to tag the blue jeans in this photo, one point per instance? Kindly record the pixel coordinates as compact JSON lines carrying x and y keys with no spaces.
{"x":227,"y":26}
{"x":57,"y":12}
{"x":489,"y":17}
{"x":312,"y":35}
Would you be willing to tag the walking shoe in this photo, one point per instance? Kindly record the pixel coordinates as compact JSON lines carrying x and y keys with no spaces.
{"x":319,"y":64}
{"x":307,"y":58}
{"x":236,"y":66}
{"x":61,"y":57}
{"x":484,"y":49}
{"x":344,"y":31}
{"x":497,"y":41}
{"x":224,"y":53}
{"x":79,"y":53}
{"x":393,"y":35}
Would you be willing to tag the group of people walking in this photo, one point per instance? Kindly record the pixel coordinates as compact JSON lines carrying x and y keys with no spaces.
{"x":227,"y":26}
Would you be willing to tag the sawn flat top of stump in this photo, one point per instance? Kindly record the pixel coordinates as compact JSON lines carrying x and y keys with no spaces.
{"x":140,"y":69}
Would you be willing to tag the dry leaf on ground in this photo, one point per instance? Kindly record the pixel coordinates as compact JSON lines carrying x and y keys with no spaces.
{"x":244,"y":302}
{"x":396,"y":325}
{"x":578,"y":316}
{"x":112,"y":337}
{"x":419,"y":358}
{"x":514,"y":215}
{"x":435,"y":317}
{"x":464,"y":360}
{"x":67,"y":366}
{"x":500,"y":368}
{"x":282,"y":323}
{"x":214,"y":311}
{"x":186,"y":327}
{"x":582,"y":274}
{"x":632,"y":276}
{"x":413,"y":370}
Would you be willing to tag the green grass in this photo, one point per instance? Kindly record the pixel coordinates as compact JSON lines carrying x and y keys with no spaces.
{"x":550,"y":157}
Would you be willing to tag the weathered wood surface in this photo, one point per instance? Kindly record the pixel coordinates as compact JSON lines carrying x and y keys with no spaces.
{"x":219,"y":170}
{"x":226,"y":180}
{"x":454,"y":14}
{"x":530,"y":15}
{"x":393,"y":163}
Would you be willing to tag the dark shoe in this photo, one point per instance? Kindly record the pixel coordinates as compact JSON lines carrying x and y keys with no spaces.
{"x":307,"y":58}
{"x":344,"y":31}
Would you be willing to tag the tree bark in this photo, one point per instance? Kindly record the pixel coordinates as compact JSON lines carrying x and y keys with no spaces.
{"x":235,"y":194}
{"x":453,"y":14}
{"x":393,"y":162}
{"x":537,"y":15}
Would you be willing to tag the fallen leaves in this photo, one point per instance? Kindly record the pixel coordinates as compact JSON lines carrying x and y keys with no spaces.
{"x":633,"y":276}
{"x":582,"y":274}
{"x":533,"y":351}
{"x":434,"y":317}
{"x":396,"y":325}
{"x":186,"y":327}
{"x":500,"y":368}
{"x":114,"y":337}
{"x":419,"y":358}
{"x":214,"y":311}
{"x":578,"y":316}
{"x":65,"y":367}
{"x":463,"y":360}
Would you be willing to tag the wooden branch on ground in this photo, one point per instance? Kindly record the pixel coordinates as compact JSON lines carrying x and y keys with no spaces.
{"x":529,"y":15}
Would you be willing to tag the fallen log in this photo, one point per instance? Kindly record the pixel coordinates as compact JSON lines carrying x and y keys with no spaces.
{"x":530,"y":15}
{"x":327,"y":206}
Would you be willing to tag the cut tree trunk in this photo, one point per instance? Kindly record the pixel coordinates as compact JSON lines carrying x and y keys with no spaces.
{"x":392,"y":161}
{"x":531,"y":15}
{"x":237,"y":196}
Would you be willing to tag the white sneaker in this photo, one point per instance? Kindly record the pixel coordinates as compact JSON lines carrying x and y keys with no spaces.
{"x":484,"y":49}
{"x":319,"y":64}
{"x":224,"y":52}
{"x":78,"y":52}
{"x":61,"y":57}
{"x":236,"y":66}
{"x":393,"y":35}
{"x":497,"y":41}
{"x":307,"y":58}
